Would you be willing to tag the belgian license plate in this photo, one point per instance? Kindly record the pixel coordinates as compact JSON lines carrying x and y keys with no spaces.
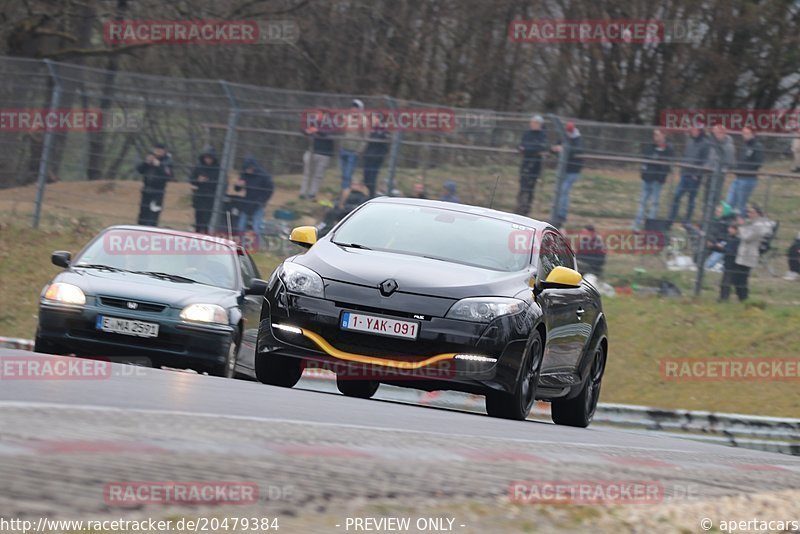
{"x":379,"y":325}
{"x":128,"y":327}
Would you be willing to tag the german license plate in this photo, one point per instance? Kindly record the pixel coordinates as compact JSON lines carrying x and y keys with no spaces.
{"x":127,"y":327}
{"x":379,"y":325}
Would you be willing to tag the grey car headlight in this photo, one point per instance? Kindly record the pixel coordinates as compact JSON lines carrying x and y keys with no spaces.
{"x":484,"y":309}
{"x":204,"y":313}
{"x":300,"y":279}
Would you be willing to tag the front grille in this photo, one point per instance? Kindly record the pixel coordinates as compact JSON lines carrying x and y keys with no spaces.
{"x":139,"y":305}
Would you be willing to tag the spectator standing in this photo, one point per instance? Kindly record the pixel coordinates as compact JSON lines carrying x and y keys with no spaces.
{"x":353,"y":143}
{"x":374,"y":154}
{"x":531,"y":146}
{"x":654,"y":174}
{"x":796,"y":151}
{"x":733,"y":274}
{"x":590,"y":252}
{"x":419,"y":191}
{"x":258,"y":187}
{"x":574,"y":148}
{"x":793,"y":255}
{"x":156,"y":171}
{"x":743,"y":185}
{"x":723,"y":218}
{"x":316,"y":159}
{"x":695,"y":153}
{"x":204,"y":179}
{"x":750,"y":234}
{"x":449,"y":192}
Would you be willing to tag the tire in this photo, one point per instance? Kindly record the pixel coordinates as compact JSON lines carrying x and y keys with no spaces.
{"x":362,"y":389}
{"x":275,"y":370}
{"x":228,"y":368}
{"x":517,"y":405}
{"x":579,"y":411}
{"x":44,"y":347}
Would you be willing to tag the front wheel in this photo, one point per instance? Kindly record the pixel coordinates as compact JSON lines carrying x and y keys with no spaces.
{"x":517,"y":405}
{"x":228,"y":368}
{"x":44,"y":347}
{"x":362,"y":389}
{"x":276,"y":370}
{"x":580,"y":410}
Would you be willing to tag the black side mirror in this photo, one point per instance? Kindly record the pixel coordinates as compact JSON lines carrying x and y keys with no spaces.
{"x":61,"y":258}
{"x":257,"y":287}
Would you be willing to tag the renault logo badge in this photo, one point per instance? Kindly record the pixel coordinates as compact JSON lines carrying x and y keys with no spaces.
{"x":388,"y":287}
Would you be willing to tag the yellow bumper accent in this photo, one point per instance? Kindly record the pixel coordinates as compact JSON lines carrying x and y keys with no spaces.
{"x":361,"y":358}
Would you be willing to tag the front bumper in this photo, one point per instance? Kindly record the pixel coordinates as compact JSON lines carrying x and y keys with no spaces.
{"x":72,"y":330}
{"x":442,"y":357}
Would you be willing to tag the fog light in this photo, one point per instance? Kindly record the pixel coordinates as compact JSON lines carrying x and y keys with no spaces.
{"x":475,"y":358}
{"x":287,"y":328}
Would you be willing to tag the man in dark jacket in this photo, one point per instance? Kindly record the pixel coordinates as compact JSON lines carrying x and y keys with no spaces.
{"x":654,"y":174}
{"x":793,"y":256}
{"x":204,"y":179}
{"x":574,"y":147}
{"x":695,"y":153}
{"x":532,"y":144}
{"x":733,"y":274}
{"x":258,"y":187}
{"x":318,"y":156}
{"x":374,"y":154}
{"x":723,"y":218}
{"x":743,"y":185}
{"x":156,"y":171}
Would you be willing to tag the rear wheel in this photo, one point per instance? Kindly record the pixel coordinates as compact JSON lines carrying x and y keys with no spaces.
{"x":517,"y":405}
{"x":362,"y":389}
{"x":276,"y":370}
{"x":580,"y":410}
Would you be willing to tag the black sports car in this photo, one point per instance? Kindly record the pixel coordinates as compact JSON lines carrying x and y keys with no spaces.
{"x":171,"y":298}
{"x":436,"y":295}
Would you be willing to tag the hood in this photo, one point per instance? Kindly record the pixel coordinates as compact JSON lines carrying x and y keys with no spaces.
{"x":208,"y":151}
{"x":250,"y":161}
{"x":146,"y":288}
{"x":413,"y":274}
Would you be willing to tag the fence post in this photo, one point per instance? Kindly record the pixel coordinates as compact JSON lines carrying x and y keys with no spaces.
{"x":228,"y":152}
{"x":561,"y":167}
{"x":714,"y":189}
{"x":394,"y":151}
{"x":47,"y":145}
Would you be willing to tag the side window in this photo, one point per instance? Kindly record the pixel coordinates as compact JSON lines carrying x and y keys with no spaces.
{"x":547,"y":255}
{"x":566,"y":258}
{"x":248,"y":270}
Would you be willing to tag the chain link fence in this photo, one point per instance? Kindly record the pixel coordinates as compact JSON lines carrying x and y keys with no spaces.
{"x":73,"y":172}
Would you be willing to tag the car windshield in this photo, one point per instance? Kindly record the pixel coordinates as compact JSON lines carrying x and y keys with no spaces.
{"x":178,"y":257}
{"x":448,"y":235}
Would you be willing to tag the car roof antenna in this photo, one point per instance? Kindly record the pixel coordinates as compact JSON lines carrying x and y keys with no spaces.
{"x":497,"y":181}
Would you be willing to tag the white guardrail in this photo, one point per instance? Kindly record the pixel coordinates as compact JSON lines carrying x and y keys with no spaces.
{"x":773,"y":434}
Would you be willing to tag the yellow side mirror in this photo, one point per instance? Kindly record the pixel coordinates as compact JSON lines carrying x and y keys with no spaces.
{"x":305,"y":236}
{"x":564,"y":276}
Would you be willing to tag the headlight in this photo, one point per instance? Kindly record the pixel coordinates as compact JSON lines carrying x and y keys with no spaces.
{"x":65,"y":293}
{"x":204,"y":313}
{"x":299,"y":279}
{"x":484,"y":309}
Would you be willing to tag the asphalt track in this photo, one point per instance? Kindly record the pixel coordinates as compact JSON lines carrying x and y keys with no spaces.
{"x":327,"y":448}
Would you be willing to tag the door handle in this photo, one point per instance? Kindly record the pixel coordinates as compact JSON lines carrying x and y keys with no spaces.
{"x":580,"y":312}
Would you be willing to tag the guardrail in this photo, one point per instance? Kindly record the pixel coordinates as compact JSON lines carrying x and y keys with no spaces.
{"x":773,"y":434}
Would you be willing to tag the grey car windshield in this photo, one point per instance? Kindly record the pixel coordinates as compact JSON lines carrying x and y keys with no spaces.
{"x":448,"y":235}
{"x":206,"y":261}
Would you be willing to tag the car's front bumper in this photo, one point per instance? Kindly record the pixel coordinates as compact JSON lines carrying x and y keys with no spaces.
{"x":448,"y":353}
{"x":72,"y":330}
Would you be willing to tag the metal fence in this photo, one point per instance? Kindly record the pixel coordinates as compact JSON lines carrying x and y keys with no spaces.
{"x":52,"y":174}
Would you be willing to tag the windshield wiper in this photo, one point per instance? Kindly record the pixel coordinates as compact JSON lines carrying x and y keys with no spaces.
{"x":99,"y":266}
{"x":168,"y":276}
{"x":353,"y":245}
